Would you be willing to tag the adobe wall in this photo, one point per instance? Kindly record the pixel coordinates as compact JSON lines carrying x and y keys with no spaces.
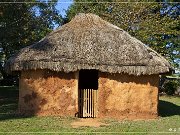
{"x":44,"y":92}
{"x":131,"y":97}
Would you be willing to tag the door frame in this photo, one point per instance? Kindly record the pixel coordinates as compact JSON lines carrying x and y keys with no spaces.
{"x":87,"y":100}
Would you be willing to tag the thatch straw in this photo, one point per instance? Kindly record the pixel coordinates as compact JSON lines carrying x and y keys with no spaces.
{"x":88,"y":42}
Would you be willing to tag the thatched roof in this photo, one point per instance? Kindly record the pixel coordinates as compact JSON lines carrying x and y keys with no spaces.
{"x":89,"y":42}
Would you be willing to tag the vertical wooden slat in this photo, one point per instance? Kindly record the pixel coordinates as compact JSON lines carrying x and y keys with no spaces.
{"x":93,"y":103}
{"x":81,"y":111}
{"x":87,"y":104}
{"x":84,"y":103}
{"x":90,"y":103}
{"x":94,"y":92}
{"x":85,"y":95}
{"x":79,"y":103}
{"x":96,"y":103}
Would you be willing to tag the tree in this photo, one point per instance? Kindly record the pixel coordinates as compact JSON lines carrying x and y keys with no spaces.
{"x":24,"y":23}
{"x":155,"y":24}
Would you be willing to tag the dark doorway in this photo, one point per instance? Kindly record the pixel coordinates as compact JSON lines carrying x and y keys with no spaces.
{"x":88,"y":79}
{"x":88,"y":93}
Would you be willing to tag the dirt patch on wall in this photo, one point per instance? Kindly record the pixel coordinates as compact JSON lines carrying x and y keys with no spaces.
{"x":44,"y":92}
{"x":128,"y":96}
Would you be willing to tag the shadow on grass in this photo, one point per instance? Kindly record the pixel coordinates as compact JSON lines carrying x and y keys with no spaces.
{"x":167,"y":109}
{"x":9,"y":103}
{"x":9,"y":109}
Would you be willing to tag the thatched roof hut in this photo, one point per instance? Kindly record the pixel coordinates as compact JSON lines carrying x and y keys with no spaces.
{"x":91,"y":68}
{"x":88,"y":42}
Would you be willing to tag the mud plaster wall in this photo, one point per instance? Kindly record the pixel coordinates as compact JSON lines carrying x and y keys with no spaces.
{"x":44,"y":92}
{"x":124,"y":96}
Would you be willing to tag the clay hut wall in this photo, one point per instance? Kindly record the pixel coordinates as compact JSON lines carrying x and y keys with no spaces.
{"x":128,"y":96}
{"x":44,"y":92}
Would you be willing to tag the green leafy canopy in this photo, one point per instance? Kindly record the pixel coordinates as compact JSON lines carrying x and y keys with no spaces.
{"x":24,"y":23}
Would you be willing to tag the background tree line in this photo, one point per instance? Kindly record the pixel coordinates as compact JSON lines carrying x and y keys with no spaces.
{"x":23,"y":23}
{"x":154,"y":23}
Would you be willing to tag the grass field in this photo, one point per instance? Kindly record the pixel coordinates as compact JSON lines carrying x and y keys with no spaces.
{"x":10,"y":123}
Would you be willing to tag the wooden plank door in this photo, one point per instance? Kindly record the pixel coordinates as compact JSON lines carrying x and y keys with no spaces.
{"x":88,"y":103}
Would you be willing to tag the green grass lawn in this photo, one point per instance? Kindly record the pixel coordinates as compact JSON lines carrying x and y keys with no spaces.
{"x":168,"y":122}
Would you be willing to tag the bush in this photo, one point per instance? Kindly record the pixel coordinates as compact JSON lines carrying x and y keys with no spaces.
{"x":170,"y":86}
